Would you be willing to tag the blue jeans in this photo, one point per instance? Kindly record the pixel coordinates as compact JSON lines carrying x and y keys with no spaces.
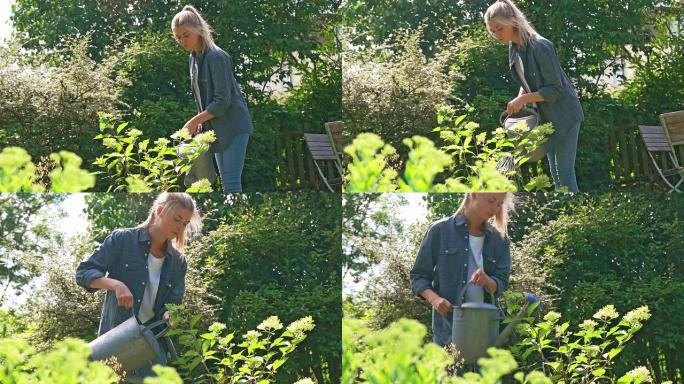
{"x":562,"y":160}
{"x":230,"y":163}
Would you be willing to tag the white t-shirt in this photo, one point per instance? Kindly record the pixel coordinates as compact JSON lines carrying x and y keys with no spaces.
{"x":154,"y":267}
{"x":475,"y":293}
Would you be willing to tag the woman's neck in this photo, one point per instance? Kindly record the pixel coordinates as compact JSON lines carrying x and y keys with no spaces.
{"x":199,"y":48}
{"x":157,"y":241}
{"x":476,"y":225}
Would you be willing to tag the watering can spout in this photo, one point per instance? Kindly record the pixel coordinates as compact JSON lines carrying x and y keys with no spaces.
{"x":508,"y":331}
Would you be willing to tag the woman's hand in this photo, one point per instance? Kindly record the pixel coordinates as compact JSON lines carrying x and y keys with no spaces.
{"x":441,"y":305}
{"x":481,"y":279}
{"x":193,"y":126}
{"x":167,"y":317}
{"x":515,"y":105}
{"x":124,"y":297}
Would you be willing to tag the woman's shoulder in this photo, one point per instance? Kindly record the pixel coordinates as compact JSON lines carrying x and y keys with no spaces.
{"x":217,"y":53}
{"x":539,"y":42}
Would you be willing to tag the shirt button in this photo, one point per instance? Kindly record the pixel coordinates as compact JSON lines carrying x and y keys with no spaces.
{"x":138,"y":300}
{"x":127,"y":265}
{"x":143,"y":283}
{"x":465,"y":265}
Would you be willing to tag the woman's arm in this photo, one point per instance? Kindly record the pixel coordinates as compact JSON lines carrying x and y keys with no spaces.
{"x":124,"y":297}
{"x":193,"y":124}
{"x":546,"y":58}
{"x":100,"y":262}
{"x":440,"y":304}
{"x":519,"y":102}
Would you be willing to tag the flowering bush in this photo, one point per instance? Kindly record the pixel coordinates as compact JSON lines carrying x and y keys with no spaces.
{"x":547,"y":353}
{"x":217,"y":358}
{"x":585,"y":355}
{"x":479,"y":162}
{"x":67,"y":363}
{"x":135,"y":166}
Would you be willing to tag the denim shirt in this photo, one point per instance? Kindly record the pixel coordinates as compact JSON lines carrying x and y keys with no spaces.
{"x":220,"y":95}
{"x":123,"y":256}
{"x":544,"y":74}
{"x":442,"y":265}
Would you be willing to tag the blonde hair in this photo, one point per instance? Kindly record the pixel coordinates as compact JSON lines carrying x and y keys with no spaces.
{"x":190,"y":18}
{"x":500,"y":220}
{"x":169,"y":201}
{"x":506,"y":12}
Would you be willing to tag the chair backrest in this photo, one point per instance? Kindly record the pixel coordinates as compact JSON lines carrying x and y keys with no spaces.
{"x":319,"y":146}
{"x":334,"y":130}
{"x":655,"y":138}
{"x":674,"y":126}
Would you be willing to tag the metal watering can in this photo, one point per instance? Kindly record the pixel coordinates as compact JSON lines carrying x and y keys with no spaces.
{"x":133,"y":344}
{"x":531,"y":117}
{"x":476,"y":326}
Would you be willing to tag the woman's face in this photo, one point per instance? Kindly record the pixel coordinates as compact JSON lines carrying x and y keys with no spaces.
{"x":486,"y":205}
{"x":503,"y":32}
{"x":187,"y":38}
{"x":173,"y":222}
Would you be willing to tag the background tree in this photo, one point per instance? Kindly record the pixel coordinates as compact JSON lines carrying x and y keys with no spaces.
{"x":25,"y":233}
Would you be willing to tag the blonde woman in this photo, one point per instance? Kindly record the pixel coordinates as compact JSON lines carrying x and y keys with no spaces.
{"x":143,"y":268}
{"x":471,"y":246}
{"x":534,"y":65}
{"x":220,"y":104}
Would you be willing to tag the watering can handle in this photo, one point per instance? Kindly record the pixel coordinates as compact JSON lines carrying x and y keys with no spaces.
{"x":504,"y":115}
{"x":153,"y":325}
{"x":156,"y":324}
{"x":463,"y":292}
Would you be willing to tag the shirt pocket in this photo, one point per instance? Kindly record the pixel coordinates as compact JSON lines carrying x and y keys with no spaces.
{"x":133,"y":266}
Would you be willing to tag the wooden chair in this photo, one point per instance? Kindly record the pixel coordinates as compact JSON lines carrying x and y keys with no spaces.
{"x":657,"y":142}
{"x":334,"y":130}
{"x":322,"y":153}
{"x":673,"y":123}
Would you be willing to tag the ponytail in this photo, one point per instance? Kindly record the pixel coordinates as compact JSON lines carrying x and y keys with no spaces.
{"x":506,"y":12}
{"x":190,"y":18}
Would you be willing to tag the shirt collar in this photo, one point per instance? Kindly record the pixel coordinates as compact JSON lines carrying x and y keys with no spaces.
{"x":459,"y":220}
{"x":144,"y":237}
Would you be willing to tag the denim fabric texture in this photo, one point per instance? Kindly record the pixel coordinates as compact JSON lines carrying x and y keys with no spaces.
{"x":220,"y":95}
{"x":123,"y":256}
{"x":442,"y":265}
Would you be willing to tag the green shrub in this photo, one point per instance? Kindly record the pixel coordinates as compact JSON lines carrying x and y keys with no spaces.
{"x":472,"y":158}
{"x":620,"y":249}
{"x":394,"y":95}
{"x":398,"y":354}
{"x":46,"y":109}
{"x":215,"y":357}
{"x":134,"y":166}
{"x":18,"y":173}
{"x":582,"y":356}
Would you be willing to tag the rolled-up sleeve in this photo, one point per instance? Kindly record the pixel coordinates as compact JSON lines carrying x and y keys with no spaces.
{"x":549,"y":67}
{"x":223,"y":80}
{"x":99,"y":262}
{"x":423,"y":271}
{"x":502,"y":270}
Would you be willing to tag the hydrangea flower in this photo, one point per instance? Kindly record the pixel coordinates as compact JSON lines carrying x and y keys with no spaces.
{"x":606,"y":313}
{"x":272,"y":323}
{"x":300,"y":326}
{"x":637,"y":316}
